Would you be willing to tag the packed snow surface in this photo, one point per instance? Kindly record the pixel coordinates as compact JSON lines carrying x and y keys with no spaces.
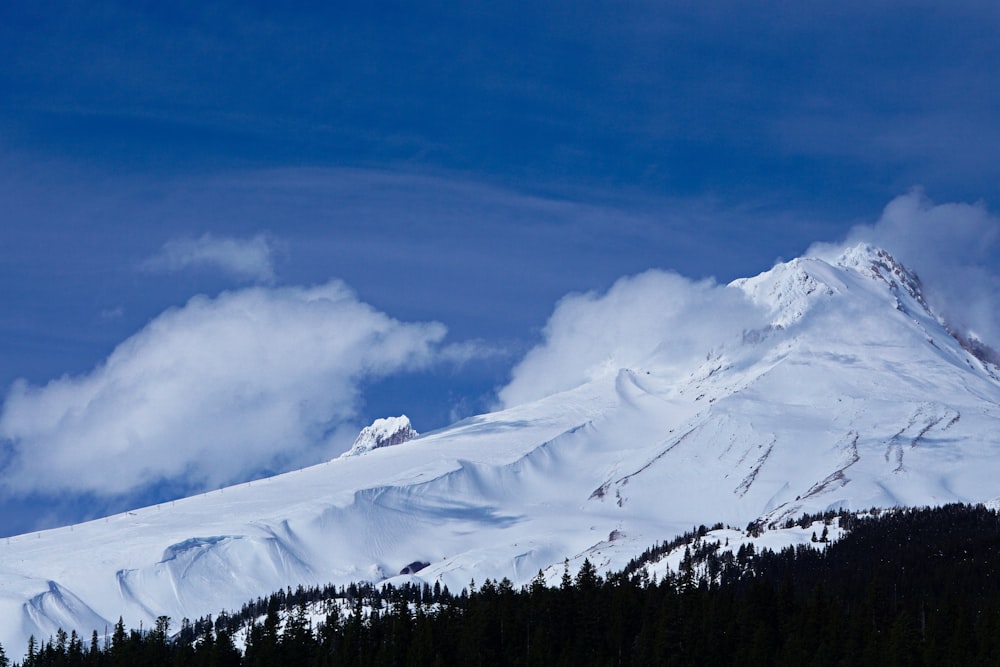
{"x":855,"y":395}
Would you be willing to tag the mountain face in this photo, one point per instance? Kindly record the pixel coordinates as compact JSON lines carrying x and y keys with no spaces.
{"x":853,"y":395}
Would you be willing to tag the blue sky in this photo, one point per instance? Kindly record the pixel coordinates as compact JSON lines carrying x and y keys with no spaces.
{"x":437,"y":176}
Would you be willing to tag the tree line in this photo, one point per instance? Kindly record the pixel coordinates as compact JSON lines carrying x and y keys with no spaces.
{"x":905,"y":587}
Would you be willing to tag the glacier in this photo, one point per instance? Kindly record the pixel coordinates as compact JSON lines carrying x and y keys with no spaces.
{"x":855,"y":394}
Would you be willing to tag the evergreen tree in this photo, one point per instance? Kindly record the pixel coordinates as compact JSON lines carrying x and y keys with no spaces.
{"x":29,"y":659}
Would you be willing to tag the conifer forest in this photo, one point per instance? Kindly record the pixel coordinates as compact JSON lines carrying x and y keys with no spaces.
{"x":902,"y":587}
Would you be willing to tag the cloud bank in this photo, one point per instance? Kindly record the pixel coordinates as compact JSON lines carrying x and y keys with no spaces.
{"x":950,"y":247}
{"x":246,"y":260}
{"x":209,"y":393}
{"x":654,"y":317}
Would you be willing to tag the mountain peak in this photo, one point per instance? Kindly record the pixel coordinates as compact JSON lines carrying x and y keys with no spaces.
{"x":384,"y":432}
{"x":851,"y":395}
{"x":790,"y":289}
{"x":878,"y":263}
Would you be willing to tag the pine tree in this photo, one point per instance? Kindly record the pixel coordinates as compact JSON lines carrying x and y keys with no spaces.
{"x":587,"y":578}
{"x":94,"y":654}
{"x":120,"y":654}
{"x":29,"y":659}
{"x":75,"y":653}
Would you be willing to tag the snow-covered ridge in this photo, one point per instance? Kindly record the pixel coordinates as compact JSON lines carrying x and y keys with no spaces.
{"x":384,"y":432}
{"x":879,"y":264}
{"x":855,"y":396}
{"x":789,"y":290}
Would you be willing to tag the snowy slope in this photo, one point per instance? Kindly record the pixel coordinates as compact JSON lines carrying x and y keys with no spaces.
{"x":854,"y":396}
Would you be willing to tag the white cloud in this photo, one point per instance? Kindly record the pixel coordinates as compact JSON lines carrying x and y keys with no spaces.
{"x":247,"y":260}
{"x":209,"y":393}
{"x":950,"y":247}
{"x":654,"y":317}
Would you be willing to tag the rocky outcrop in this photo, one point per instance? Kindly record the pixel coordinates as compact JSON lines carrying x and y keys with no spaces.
{"x":382,"y":433}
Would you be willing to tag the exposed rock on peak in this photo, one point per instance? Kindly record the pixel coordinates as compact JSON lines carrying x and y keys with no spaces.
{"x":382,"y":433}
{"x":878,"y":263}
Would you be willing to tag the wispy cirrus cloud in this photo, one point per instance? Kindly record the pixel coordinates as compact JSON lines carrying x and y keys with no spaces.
{"x":245,"y":259}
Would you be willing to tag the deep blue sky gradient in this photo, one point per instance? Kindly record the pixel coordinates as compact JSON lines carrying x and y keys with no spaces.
{"x":468,"y":163}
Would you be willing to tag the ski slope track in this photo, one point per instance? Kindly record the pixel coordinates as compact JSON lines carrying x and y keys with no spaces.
{"x":855,"y":395}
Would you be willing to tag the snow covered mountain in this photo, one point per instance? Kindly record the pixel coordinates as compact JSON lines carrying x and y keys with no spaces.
{"x":855,"y":394}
